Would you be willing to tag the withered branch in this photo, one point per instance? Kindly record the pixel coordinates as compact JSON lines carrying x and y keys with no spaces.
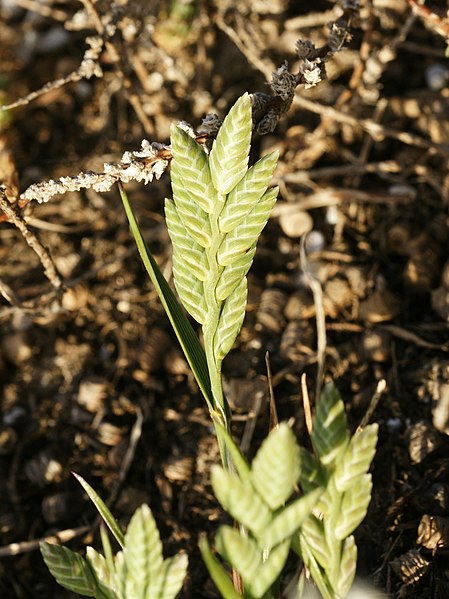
{"x":32,"y":240}
{"x":88,"y":68}
{"x":153,"y":158}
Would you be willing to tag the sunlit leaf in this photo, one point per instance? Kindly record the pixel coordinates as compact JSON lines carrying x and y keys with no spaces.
{"x":330,"y":433}
{"x":69,"y":569}
{"x":357,"y":458}
{"x":354,"y":506}
{"x":289,"y":520}
{"x":240,"y":500}
{"x":217,"y":572}
{"x":104,"y":577}
{"x":275,"y":469}
{"x":103,"y":510}
{"x":239,"y":551}
{"x":171,"y":578}
{"x":347,"y":568}
{"x":270,"y":570}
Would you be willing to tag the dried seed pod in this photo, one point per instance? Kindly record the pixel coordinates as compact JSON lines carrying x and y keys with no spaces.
{"x":44,"y":468}
{"x":178,"y":469}
{"x":337,"y":296}
{"x":376,"y":346}
{"x":423,"y":440}
{"x":380,"y":306}
{"x":356,"y":275}
{"x":75,"y":298}
{"x":433,"y":532}
{"x":296,"y":340}
{"x":296,"y":224}
{"x":92,"y":394}
{"x":270,"y":315}
{"x":300,"y":305}
{"x":410,"y":567}
{"x":109,"y":434}
{"x":67,"y":264}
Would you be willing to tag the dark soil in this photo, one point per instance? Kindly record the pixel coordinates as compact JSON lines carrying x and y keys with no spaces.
{"x":82,"y":368}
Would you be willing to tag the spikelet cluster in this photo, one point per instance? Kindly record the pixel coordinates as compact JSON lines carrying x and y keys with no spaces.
{"x":218,"y":211}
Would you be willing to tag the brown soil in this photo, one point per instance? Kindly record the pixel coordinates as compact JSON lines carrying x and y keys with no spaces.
{"x":82,"y":368}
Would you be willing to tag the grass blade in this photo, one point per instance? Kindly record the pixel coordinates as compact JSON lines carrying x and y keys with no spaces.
{"x":103,"y":510}
{"x":182,"y":327}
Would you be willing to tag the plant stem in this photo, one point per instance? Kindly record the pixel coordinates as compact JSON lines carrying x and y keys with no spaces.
{"x":222,"y":412}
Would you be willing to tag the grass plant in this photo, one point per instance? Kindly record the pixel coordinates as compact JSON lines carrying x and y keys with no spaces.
{"x":289,"y":499}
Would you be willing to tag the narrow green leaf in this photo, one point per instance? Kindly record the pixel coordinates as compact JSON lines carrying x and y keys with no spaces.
{"x":228,"y":159}
{"x":104,"y":577}
{"x":240,"y":500}
{"x":330,"y":433}
{"x":187,"y":338}
{"x":312,"y":474}
{"x":242,"y":238}
{"x":239,"y":551}
{"x":354,"y":507}
{"x":171,"y":577}
{"x":301,"y":547}
{"x":143,"y":549}
{"x":231,"y":320}
{"x":239,"y":462}
{"x":102,"y":509}
{"x":357,"y":458}
{"x":190,"y":163}
{"x":217,"y":572}
{"x":275,"y":469}
{"x":133,"y":588}
{"x":120,"y":575}
{"x":107,"y":549}
{"x":289,"y":520}
{"x":69,"y":569}
{"x":347,"y":568}
{"x":313,"y":530}
{"x":248,"y":192}
{"x":270,"y":570}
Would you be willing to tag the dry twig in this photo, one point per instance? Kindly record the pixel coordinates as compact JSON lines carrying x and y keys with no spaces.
{"x":152,"y":159}
{"x":32,"y":240}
